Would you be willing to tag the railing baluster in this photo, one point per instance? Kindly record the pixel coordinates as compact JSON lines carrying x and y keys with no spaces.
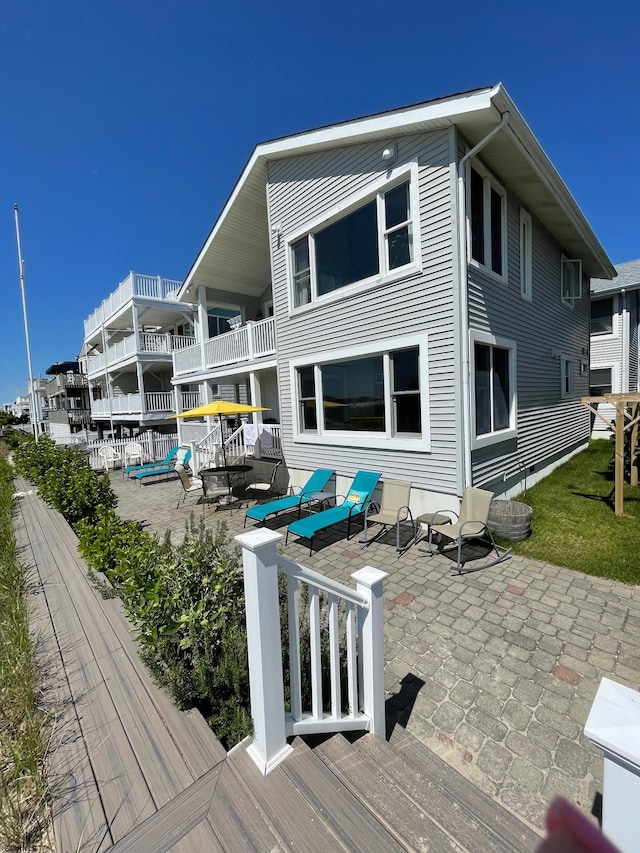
{"x":295,"y":683}
{"x":316,"y":656}
{"x":334,"y":656}
{"x":352,"y":664}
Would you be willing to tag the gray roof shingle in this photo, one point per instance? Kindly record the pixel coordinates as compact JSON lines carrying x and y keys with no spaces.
{"x":628,"y":276}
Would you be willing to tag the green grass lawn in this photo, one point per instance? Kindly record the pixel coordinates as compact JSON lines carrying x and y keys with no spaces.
{"x":574,"y":524}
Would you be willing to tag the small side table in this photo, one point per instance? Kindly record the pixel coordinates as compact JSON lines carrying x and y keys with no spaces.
{"x":430,"y":518}
{"x":318,"y":499}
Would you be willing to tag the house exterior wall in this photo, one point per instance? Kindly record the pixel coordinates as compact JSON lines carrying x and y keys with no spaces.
{"x":301,"y":189}
{"x":549,"y":427}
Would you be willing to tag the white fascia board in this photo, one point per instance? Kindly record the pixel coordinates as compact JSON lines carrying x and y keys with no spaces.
{"x":447,"y":109}
{"x":523,"y":136}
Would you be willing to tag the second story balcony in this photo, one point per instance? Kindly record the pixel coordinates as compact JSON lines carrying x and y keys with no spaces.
{"x":248,"y":343}
{"x":143,"y":286}
{"x":147,"y":344}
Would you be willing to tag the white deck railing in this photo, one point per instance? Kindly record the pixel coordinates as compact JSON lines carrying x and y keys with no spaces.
{"x":255,"y":340}
{"x":147,"y":286}
{"x":159,"y":401}
{"x":155,"y":446}
{"x":131,"y":404}
{"x":190,"y":399}
{"x":362,"y":706}
{"x":147,"y":342}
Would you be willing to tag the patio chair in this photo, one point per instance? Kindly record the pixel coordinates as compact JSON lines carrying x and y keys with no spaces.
{"x":130,"y":469}
{"x":188,"y":482}
{"x":263,"y":486}
{"x":469,"y":524}
{"x":131,"y":455}
{"x":354,"y":504}
{"x":182,"y":457}
{"x":109,"y":456}
{"x":393,"y":511}
{"x":315,"y":485}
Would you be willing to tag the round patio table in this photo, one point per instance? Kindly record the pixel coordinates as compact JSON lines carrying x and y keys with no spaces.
{"x":224,"y":469}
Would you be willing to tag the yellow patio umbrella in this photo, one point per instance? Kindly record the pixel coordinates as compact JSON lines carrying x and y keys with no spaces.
{"x":218,"y":408}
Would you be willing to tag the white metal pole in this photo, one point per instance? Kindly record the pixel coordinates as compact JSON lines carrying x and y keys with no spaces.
{"x":32,"y":393}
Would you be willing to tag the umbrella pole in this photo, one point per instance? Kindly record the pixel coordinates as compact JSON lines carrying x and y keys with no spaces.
{"x":224,"y":454}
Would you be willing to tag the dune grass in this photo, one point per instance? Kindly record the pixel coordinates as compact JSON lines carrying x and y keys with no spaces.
{"x":24,"y":725}
{"x":574,"y":523}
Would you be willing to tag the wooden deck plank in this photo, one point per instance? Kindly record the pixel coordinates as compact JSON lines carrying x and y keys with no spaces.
{"x":180,"y":826}
{"x":348,"y":820}
{"x":465,"y":812}
{"x":415,"y":829}
{"x":292,"y":819}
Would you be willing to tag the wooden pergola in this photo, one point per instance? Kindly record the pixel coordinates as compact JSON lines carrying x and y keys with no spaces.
{"x":627,"y":408}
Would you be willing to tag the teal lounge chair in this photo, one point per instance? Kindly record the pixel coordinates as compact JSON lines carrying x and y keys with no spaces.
{"x":354,"y":504}
{"x":183,"y":455}
{"x":316,"y":484}
{"x":147,"y":465}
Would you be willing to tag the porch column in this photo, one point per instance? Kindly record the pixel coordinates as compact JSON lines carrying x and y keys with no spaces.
{"x":202,"y":325}
{"x":255,"y":392}
{"x":139,"y":371}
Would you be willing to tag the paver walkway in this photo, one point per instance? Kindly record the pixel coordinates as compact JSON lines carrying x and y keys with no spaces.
{"x":494,"y":671}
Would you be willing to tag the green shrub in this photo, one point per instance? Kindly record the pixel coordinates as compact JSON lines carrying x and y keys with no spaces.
{"x":64,"y":479}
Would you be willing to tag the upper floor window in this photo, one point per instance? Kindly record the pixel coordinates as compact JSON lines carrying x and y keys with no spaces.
{"x":373,"y":240}
{"x":602,"y":316}
{"x":494,"y":381}
{"x":488,"y":220}
{"x":526,"y":256}
{"x":571,"y":287}
{"x":365,"y":395}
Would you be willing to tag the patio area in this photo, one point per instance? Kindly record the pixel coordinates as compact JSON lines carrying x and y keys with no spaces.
{"x":493,"y":671}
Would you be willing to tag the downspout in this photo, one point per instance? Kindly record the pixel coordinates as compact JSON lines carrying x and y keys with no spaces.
{"x":464,"y":295}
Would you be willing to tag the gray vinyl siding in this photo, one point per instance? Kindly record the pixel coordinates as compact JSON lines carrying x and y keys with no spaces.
{"x":548,"y":426}
{"x":633,"y":341}
{"x":303,"y":188}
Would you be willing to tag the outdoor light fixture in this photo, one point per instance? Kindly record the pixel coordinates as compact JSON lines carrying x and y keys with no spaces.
{"x":390,"y":153}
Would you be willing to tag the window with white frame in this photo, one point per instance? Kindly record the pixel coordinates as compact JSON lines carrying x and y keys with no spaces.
{"x":373,"y":240}
{"x":566,"y":376}
{"x":365,"y":394}
{"x":526,"y":256}
{"x":571,"y":281}
{"x":602,"y":316}
{"x":487,"y":221}
{"x":494,"y":388}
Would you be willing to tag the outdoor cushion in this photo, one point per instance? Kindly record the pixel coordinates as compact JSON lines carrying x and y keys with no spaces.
{"x":183,"y":456}
{"x":356,"y":497}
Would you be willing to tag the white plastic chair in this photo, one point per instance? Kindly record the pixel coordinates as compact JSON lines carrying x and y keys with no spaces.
{"x":109,"y":456}
{"x":132,"y":454}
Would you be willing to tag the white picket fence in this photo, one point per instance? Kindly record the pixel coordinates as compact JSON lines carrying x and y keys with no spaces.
{"x":155,"y":446}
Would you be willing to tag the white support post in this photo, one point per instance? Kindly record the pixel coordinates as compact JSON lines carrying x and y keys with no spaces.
{"x":259,"y":558}
{"x":614,"y":726}
{"x":369,"y":582}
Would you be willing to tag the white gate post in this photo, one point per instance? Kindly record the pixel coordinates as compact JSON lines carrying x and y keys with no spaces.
{"x":369,"y":582}
{"x":259,"y":559}
{"x":613,"y":725}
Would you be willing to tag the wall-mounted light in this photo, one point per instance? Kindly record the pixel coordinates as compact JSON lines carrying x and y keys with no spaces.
{"x":390,"y":153}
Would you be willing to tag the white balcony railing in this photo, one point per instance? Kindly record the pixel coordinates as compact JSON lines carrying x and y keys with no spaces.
{"x":353,"y":635}
{"x":255,"y":340}
{"x":147,"y":286}
{"x":131,"y":404}
{"x":147,"y":342}
{"x":190,"y":399}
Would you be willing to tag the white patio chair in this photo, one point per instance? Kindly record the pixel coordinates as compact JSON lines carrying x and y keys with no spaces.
{"x":109,"y":456}
{"x":132,"y":455}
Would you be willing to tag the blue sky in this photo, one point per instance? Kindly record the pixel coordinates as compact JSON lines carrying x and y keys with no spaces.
{"x":125,"y":123}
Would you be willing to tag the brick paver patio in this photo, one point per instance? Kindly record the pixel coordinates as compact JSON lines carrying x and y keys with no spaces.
{"x":494,"y":671}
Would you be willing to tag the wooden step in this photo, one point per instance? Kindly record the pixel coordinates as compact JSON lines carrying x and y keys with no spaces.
{"x":460,"y":810}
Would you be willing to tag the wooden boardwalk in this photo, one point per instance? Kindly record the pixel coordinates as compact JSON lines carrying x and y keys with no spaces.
{"x":132,"y":774}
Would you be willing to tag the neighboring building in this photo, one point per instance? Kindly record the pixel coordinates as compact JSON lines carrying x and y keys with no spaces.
{"x":67,"y":394}
{"x":414,"y":288}
{"x":39,"y":417}
{"x":129,"y":341}
{"x":20,"y":406}
{"x":615,"y":321}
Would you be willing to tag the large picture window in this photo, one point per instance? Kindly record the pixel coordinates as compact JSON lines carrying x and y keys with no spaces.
{"x":371,"y":241}
{"x":493,"y":389}
{"x":376,"y":396}
{"x":487,"y":221}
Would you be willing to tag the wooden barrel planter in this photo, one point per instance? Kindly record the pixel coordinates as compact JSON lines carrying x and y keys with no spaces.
{"x":510,"y":520}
